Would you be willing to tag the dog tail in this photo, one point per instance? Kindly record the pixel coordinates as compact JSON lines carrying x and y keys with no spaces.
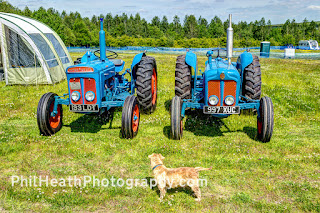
{"x":201,"y":168}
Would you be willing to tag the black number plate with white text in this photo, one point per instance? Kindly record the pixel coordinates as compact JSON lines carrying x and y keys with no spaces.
{"x":84,"y":107}
{"x":221,"y":110}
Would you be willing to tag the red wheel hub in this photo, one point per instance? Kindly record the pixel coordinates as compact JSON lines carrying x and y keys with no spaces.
{"x":135,"y":118}
{"x":54,"y":121}
{"x":154,"y":86}
{"x":259,"y":126}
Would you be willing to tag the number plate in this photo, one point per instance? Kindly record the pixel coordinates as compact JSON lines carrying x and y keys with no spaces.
{"x":84,"y":107}
{"x":221,"y":110}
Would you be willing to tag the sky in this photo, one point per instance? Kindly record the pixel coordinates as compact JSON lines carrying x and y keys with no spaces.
{"x":278,"y":11}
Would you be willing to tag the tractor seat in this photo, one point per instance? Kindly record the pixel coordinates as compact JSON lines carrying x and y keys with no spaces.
{"x":117,"y":62}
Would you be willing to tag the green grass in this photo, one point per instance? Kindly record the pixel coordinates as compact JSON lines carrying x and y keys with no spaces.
{"x":247,"y":175}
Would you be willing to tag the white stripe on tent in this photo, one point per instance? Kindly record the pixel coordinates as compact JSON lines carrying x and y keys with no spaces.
{"x":4,"y":61}
{"x":26,"y":36}
{"x":43,"y":28}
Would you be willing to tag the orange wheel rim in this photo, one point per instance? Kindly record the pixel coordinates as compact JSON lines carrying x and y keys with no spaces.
{"x":54,"y":121}
{"x":181,"y":127}
{"x":154,"y":86}
{"x":135,"y":118}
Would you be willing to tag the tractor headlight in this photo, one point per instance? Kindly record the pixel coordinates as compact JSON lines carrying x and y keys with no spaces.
{"x":229,"y":100}
{"x":213,"y":100}
{"x":75,"y":96}
{"x":90,"y":96}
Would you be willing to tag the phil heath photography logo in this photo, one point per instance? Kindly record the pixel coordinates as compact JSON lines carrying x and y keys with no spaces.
{"x":83,"y":181}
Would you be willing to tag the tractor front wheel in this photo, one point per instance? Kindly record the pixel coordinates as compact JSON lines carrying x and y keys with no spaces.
{"x":147,"y":80}
{"x":48,"y":125}
{"x":265,"y":119}
{"x":176,"y":120}
{"x":130,"y":117}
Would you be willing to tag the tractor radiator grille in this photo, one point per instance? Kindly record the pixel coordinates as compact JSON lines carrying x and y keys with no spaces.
{"x":215,"y":88}
{"x":90,"y":85}
{"x":75,"y":85}
{"x":230,"y":88}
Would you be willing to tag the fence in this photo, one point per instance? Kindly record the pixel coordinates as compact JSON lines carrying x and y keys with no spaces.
{"x":275,"y":51}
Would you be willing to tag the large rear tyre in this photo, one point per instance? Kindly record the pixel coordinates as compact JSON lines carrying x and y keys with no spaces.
{"x":147,"y":84}
{"x":182,"y":78}
{"x":265,"y":119}
{"x":252,"y":80}
{"x":176,"y":120}
{"x":130,"y":117}
{"x":47,"y":124}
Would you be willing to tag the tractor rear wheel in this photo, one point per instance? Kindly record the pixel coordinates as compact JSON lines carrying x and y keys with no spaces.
{"x":265,"y":119}
{"x":47,"y":124}
{"x":147,"y":80}
{"x":182,"y":78}
{"x":176,"y":120}
{"x":252,"y":80}
{"x":130,"y":117}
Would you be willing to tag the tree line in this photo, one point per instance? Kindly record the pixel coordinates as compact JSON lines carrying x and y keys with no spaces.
{"x":132,"y":30}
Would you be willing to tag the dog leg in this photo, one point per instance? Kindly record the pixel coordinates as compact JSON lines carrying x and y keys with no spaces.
{"x":162,"y":192}
{"x":197,"y":192}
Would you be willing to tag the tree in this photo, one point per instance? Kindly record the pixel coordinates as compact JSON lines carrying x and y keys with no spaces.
{"x":155,"y":21}
{"x":81,"y":33}
{"x":190,"y":26}
{"x":164,"y":25}
{"x":122,"y":30}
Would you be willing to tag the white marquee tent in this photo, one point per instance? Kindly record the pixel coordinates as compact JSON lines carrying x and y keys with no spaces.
{"x":31,"y":52}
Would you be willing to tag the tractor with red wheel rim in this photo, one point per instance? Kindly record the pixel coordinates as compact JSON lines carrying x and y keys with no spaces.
{"x":223,"y":89}
{"x":95,"y":86}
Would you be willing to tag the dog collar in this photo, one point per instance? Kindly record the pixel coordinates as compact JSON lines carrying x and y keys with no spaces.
{"x":156,"y":166}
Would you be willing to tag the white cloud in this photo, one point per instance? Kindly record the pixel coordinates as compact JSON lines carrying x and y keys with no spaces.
{"x":314,"y":7}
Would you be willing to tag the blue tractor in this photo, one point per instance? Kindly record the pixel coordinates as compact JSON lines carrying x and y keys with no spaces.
{"x":96,"y":86}
{"x":223,"y":89}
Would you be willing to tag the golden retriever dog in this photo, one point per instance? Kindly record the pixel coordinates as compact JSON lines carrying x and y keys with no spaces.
{"x":175,"y":177}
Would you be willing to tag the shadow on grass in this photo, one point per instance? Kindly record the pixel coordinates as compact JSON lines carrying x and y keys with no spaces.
{"x":186,"y":190}
{"x":201,"y":124}
{"x":251,"y":132}
{"x":167,"y":105}
{"x":206,"y":125}
{"x":92,"y":123}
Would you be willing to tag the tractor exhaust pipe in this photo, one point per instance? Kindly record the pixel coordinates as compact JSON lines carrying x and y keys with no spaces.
{"x":229,"y":40}
{"x":102,"y":41}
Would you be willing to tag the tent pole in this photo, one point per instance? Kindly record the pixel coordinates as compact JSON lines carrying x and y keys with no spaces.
{"x":35,"y":67}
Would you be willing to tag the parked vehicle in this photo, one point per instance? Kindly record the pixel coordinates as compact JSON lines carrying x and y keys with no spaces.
{"x":223,"y":89}
{"x":95,"y":85}
{"x":308,"y":45}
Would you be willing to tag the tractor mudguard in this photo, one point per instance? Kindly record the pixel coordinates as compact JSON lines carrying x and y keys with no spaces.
{"x":191,"y":60}
{"x":245,"y":59}
{"x":136,"y":60}
{"x":89,"y":56}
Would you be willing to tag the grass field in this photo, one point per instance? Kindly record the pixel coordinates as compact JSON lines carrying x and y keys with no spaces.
{"x":247,"y":175}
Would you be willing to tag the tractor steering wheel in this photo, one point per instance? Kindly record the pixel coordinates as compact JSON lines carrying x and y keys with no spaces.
{"x":219,"y":50}
{"x":112,"y":55}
